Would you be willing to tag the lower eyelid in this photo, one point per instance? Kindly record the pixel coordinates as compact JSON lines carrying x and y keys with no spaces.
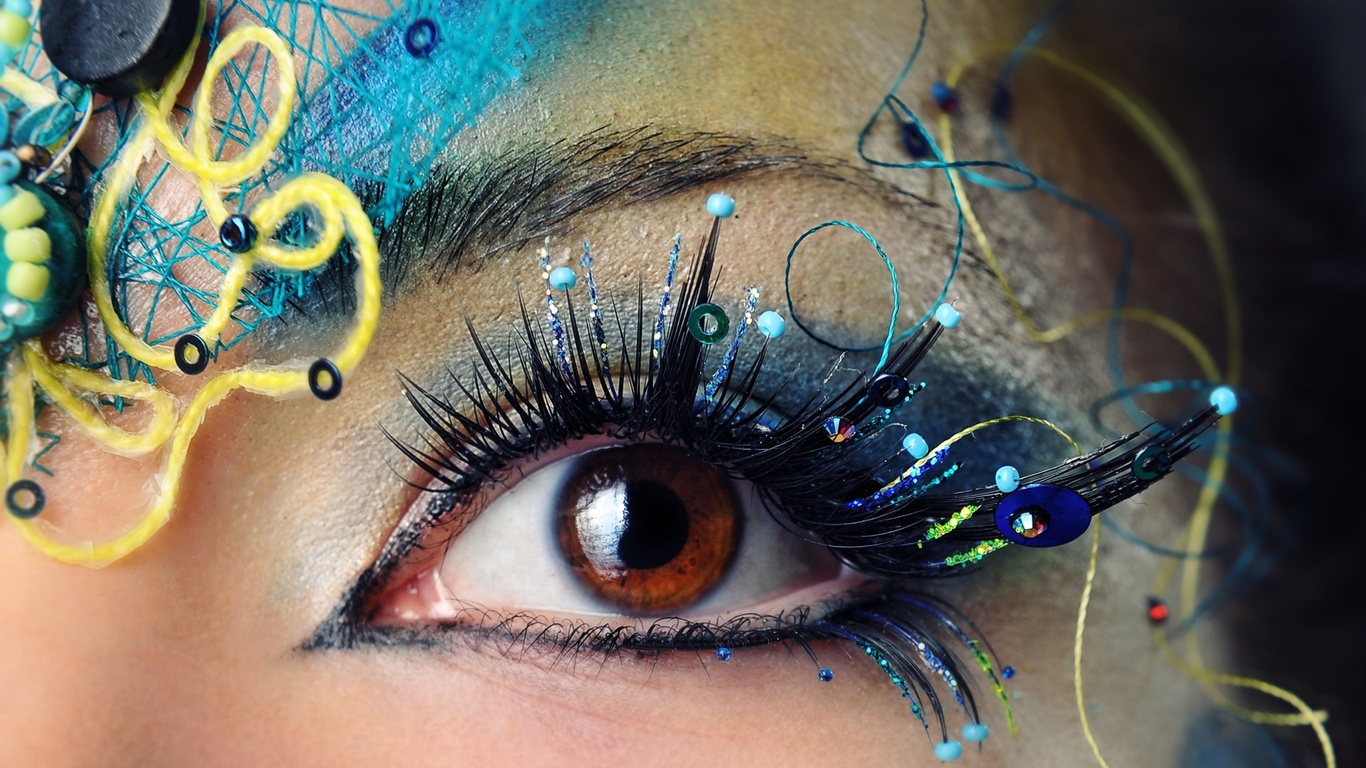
{"x":533,"y":638}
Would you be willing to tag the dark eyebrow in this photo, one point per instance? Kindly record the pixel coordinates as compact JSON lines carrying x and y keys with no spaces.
{"x":479,"y":206}
{"x":472,"y":207}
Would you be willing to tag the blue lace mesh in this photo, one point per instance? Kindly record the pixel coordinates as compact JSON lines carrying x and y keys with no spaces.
{"x":371,"y":113}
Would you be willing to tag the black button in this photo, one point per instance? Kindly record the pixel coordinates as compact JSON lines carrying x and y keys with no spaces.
{"x":117,"y":47}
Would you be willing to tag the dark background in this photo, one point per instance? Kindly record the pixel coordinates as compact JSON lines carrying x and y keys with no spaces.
{"x":1286,"y":80}
{"x":1269,"y":96}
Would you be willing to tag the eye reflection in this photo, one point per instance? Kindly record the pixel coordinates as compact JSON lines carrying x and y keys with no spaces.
{"x":647,"y":528}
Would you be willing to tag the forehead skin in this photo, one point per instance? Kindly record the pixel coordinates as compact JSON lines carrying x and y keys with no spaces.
{"x":185,"y":653}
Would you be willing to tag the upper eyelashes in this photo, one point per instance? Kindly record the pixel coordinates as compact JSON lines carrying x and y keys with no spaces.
{"x":823,"y":468}
{"x":820,"y":464}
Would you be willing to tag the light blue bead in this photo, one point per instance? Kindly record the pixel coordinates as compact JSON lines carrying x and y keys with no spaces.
{"x":7,"y":54}
{"x":772,"y":324}
{"x":21,"y":7}
{"x":563,"y":278}
{"x":915,"y":445}
{"x":947,"y":316}
{"x":721,"y":206}
{"x":975,"y":732}
{"x":1224,"y":400}
{"x":948,"y":750}
{"x":1007,"y":479}
{"x":9,"y":165}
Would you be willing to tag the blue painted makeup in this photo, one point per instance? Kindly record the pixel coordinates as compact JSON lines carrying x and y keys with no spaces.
{"x":387,"y":107}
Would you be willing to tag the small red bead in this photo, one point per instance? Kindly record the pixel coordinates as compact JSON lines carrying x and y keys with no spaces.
{"x":1157,"y":610}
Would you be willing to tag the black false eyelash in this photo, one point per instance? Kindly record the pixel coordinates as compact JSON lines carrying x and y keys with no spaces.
{"x":554,"y":390}
{"x":562,"y":380}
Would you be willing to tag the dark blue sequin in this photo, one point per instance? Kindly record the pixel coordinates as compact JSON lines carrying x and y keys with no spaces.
{"x":914,"y":140}
{"x":422,"y":37}
{"x":1002,"y":101}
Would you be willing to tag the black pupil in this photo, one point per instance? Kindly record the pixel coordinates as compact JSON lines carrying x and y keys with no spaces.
{"x":656,"y":525}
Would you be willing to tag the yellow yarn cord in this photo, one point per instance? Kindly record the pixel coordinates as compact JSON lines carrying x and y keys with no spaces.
{"x":332,"y":201}
{"x":58,"y":380}
{"x":33,"y":93}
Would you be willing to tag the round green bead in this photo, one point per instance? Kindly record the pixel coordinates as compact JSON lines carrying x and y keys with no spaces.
{"x":21,"y":319}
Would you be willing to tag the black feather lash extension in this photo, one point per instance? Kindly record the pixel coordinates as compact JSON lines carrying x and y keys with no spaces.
{"x":560,"y":381}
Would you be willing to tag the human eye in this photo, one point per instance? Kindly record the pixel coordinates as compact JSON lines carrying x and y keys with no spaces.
{"x":637,"y":483}
{"x":614,"y":532}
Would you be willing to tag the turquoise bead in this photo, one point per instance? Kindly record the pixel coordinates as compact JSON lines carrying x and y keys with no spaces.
{"x":948,"y":750}
{"x":21,"y":320}
{"x":1007,"y":479}
{"x":772,"y":324}
{"x":1224,"y":400}
{"x":915,"y":445}
{"x":563,"y":278}
{"x":10,"y":165}
{"x":721,"y":206}
{"x":947,"y":316}
{"x":19,"y":7}
{"x":975,"y":732}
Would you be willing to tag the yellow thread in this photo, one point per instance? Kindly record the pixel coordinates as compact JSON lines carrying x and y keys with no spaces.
{"x":979,"y":425}
{"x":59,"y":379}
{"x":33,"y":93}
{"x":1077,"y":645}
{"x":1161,"y":140}
{"x":332,"y":201}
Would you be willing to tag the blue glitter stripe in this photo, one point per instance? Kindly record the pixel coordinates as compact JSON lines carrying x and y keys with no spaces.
{"x":658,"y":339}
{"x":751,"y":301}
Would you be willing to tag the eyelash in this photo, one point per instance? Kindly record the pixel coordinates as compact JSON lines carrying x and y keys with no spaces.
{"x":558,"y":387}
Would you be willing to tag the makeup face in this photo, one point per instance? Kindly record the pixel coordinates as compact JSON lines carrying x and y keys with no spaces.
{"x":219,"y":641}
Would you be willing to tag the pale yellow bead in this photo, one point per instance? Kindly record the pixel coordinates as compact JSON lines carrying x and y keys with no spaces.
{"x":27,"y":281}
{"x":22,"y":210}
{"x":29,"y":244}
{"x":13,"y":29}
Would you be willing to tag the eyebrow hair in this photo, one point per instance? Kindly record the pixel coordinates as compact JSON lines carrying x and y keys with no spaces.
{"x":477,"y":206}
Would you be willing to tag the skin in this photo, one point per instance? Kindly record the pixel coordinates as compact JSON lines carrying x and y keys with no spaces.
{"x":187,"y":652}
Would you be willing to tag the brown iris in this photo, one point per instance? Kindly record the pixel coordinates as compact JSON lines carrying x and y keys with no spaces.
{"x":646,"y":527}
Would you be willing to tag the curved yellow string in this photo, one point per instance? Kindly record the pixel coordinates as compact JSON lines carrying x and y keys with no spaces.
{"x":1077,"y":645}
{"x":1164,"y":144}
{"x":1177,"y":331}
{"x":33,"y":93}
{"x":959,"y":435}
{"x":58,"y":380}
{"x":334,"y":204}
